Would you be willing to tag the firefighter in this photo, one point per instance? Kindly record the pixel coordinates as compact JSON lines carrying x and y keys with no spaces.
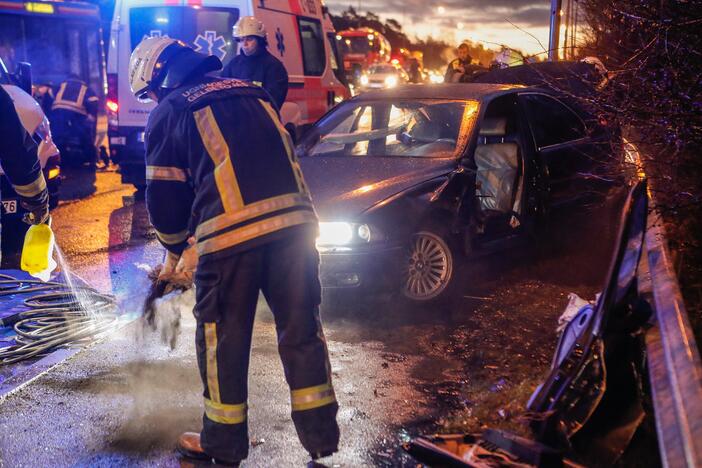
{"x":458,"y":69}
{"x":18,"y":156}
{"x":74,"y":116}
{"x":255,"y":63}
{"x":221,"y":167}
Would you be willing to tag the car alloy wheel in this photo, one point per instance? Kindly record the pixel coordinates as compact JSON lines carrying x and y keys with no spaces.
{"x":429,"y":267}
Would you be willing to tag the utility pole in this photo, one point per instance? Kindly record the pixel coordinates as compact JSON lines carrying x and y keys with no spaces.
{"x":555,"y":30}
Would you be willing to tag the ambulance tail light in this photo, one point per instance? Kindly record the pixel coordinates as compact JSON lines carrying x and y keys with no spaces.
{"x":112,"y":101}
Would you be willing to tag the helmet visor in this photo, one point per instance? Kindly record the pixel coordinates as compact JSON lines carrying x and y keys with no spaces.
{"x":143,"y":95}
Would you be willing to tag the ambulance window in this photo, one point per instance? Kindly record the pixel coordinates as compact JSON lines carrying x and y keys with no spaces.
{"x":311,"y":38}
{"x":207,"y":30}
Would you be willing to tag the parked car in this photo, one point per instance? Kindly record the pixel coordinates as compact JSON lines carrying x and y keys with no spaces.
{"x":382,"y":76}
{"x":36,"y":123}
{"x":410,"y":182}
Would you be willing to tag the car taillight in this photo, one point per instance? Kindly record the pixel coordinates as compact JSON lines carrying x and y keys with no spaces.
{"x":112,"y":106}
{"x":112,"y":101}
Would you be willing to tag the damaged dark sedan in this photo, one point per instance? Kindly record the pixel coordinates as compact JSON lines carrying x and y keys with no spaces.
{"x":410,"y":183}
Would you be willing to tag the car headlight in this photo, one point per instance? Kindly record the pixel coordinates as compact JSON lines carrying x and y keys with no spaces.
{"x":364,"y":80}
{"x":391,"y":81}
{"x":340,"y":234}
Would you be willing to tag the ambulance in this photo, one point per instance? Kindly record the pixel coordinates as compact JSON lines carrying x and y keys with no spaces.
{"x":300,"y":35}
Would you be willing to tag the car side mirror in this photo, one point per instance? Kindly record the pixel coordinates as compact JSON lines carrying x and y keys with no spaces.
{"x":23,"y":75}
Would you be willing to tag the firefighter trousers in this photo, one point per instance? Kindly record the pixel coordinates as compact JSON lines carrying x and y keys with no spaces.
{"x":286,"y":271}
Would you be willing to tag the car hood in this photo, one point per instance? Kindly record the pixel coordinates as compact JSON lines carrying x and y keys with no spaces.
{"x":344,"y":187}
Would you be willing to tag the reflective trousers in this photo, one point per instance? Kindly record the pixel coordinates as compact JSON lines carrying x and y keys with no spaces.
{"x":286,"y":271}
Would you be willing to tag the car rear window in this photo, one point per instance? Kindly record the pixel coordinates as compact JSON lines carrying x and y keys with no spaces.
{"x":207,"y":30}
{"x":393,"y":128}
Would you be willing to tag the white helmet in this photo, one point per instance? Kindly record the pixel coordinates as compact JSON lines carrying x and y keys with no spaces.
{"x":162,"y":62}
{"x":248,"y":26}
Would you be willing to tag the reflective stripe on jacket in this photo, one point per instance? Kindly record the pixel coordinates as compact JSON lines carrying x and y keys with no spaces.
{"x":76,"y":96}
{"x":221,"y":166}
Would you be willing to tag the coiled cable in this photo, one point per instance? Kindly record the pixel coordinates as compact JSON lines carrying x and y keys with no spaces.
{"x":57,"y":315}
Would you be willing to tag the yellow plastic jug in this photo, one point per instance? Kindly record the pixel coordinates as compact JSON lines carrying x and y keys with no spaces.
{"x":37,"y":251}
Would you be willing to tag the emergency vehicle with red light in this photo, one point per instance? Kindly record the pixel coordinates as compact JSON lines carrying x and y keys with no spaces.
{"x":300,"y":35}
{"x":360,"y":48}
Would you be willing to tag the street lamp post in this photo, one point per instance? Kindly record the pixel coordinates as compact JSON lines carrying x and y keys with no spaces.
{"x":555,"y":29}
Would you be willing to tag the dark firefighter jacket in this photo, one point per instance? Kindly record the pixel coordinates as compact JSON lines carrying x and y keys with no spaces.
{"x":76,"y":96}
{"x":261,"y":69}
{"x":18,"y":155}
{"x":221,"y":166}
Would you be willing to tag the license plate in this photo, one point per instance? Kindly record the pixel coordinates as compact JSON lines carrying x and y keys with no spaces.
{"x":118,"y":141}
{"x":9,"y":206}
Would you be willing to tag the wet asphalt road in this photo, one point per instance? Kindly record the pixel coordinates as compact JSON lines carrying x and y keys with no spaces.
{"x":398,"y":370}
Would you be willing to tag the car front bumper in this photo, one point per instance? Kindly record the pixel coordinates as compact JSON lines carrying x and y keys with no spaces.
{"x":372,"y":268}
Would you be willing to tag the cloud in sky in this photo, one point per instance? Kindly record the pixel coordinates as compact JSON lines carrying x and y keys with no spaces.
{"x":486,"y":21}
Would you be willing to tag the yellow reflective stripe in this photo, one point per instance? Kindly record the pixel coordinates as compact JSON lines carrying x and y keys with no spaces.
{"x":81,"y":95}
{"x":211,"y":358}
{"x":312,"y":397}
{"x":287,"y":142}
{"x":62,"y":88}
{"x":166,"y":173}
{"x":253,"y":230}
{"x":172,"y":239}
{"x":252,"y":210}
{"x":217,"y":148}
{"x":225,"y":414}
{"x":33,"y":189}
{"x":69,"y":106}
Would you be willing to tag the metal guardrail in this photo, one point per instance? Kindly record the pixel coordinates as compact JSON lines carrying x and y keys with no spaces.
{"x":675,"y":369}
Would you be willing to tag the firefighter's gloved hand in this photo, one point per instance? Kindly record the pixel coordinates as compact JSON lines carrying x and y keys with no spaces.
{"x":188,"y":261}
{"x":168,"y":269}
{"x":38,"y":212}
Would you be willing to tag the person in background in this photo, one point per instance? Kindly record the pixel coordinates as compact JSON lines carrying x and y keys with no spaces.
{"x":459,"y":69}
{"x":254,"y":63}
{"x":74,"y":113}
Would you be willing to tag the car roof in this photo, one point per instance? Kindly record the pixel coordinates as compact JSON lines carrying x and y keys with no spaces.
{"x":476,"y":91}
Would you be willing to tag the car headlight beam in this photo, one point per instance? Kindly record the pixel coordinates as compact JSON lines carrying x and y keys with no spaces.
{"x":391,"y":81}
{"x":336,"y":233}
{"x":343,"y":234}
{"x":364,"y":80}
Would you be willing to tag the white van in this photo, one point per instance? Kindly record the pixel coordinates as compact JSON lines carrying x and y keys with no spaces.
{"x":299,"y":34}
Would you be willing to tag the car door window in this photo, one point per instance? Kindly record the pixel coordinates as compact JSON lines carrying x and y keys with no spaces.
{"x":552,"y":122}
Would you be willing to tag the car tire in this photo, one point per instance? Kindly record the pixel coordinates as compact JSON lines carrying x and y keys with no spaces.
{"x":431,"y":267}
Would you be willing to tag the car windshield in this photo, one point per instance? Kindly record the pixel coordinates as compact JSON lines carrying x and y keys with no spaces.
{"x":383,"y":69}
{"x":358,"y":45}
{"x":393,"y":128}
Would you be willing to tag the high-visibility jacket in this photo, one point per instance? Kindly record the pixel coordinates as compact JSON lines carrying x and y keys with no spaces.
{"x":76,"y":96}
{"x":221,"y":166}
{"x":18,"y":155}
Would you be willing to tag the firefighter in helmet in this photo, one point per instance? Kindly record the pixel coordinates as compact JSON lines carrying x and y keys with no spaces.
{"x":221,"y":167}
{"x":254,"y":63}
